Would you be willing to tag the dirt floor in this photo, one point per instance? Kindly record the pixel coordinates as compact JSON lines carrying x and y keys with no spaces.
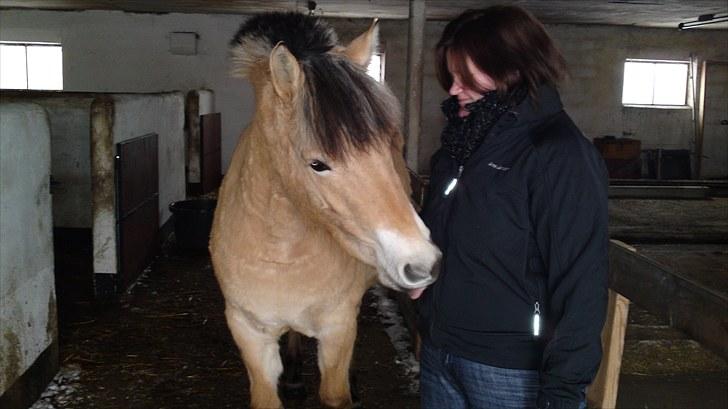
{"x":166,"y":345}
{"x":669,"y":221}
{"x":661,"y":366}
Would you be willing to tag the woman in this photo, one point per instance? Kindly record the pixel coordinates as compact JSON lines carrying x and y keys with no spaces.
{"x":518,"y":205}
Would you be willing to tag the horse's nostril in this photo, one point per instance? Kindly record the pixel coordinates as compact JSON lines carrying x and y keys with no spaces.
{"x":413,"y":275}
{"x":435,"y":272}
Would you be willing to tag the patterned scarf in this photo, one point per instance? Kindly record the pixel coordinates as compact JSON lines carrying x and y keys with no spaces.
{"x":462,"y":136}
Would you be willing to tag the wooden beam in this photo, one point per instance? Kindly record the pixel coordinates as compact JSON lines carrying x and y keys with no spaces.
{"x":669,"y":14}
{"x":700,"y":121}
{"x":699,"y":311}
{"x":415,"y":63}
{"x":659,"y":192}
{"x":602,"y":393}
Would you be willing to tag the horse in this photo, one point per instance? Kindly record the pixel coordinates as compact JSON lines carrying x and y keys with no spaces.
{"x":314,"y":208}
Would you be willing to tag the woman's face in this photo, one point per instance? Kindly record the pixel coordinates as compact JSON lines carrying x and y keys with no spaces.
{"x":465,"y":94}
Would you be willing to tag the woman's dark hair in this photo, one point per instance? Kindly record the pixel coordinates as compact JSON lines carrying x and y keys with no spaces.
{"x":506,"y":42}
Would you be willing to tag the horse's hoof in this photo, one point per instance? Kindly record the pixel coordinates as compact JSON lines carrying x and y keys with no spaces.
{"x":293,"y":390}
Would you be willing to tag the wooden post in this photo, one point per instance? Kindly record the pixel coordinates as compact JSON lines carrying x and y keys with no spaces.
{"x":415,"y":62}
{"x":700,"y":122}
{"x":602,"y":393}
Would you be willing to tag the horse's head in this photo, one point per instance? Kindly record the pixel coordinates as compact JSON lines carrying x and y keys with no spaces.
{"x":332,"y":134}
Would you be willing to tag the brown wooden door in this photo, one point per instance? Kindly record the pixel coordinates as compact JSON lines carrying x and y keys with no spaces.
{"x":137,"y":198}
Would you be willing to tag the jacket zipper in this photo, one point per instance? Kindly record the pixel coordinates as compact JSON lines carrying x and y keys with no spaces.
{"x":453,"y":182}
{"x":445,"y":193}
{"x":536,"y":319}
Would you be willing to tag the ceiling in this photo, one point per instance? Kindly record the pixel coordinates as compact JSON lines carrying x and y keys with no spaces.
{"x":644,"y":13}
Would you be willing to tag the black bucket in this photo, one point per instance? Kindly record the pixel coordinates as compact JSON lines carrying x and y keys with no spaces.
{"x":192,"y":222}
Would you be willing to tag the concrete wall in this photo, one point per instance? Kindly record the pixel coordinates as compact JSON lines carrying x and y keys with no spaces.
{"x":129,"y":52}
{"x":163,"y":114}
{"x":207,"y":101}
{"x":592,"y":95}
{"x":101,"y":53}
{"x":27,"y":290}
{"x":70,"y":160}
{"x":120,"y":117}
{"x":68,"y":116}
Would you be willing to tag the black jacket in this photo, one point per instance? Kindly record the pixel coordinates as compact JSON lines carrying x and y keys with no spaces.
{"x":525,"y":224}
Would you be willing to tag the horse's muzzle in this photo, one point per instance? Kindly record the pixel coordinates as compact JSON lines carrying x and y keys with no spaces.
{"x":416,"y":275}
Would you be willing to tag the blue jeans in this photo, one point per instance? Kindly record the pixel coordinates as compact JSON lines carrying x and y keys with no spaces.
{"x":452,"y":382}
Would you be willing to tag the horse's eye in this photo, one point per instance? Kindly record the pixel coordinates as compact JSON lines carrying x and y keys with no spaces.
{"x":319,"y":166}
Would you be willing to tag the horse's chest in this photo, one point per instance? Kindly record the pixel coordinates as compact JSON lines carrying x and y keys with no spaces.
{"x":276,"y":298}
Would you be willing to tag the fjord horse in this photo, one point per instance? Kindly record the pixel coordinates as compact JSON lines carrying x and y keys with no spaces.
{"x":314,"y":208}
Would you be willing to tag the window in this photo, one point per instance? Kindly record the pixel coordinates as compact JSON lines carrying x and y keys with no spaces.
{"x":376,"y":67}
{"x":31,"y":66}
{"x":655,"y":83}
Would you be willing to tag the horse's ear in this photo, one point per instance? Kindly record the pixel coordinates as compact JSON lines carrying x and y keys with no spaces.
{"x":360,"y":50}
{"x":285,"y":72}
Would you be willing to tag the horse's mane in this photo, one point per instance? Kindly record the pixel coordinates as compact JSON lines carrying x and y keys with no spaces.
{"x":344,"y":107}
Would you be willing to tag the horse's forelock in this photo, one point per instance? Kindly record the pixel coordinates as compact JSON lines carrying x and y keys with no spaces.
{"x":304,"y":36}
{"x":345,"y":108}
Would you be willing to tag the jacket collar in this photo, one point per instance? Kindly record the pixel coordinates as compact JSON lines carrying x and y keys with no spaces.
{"x":530,"y":112}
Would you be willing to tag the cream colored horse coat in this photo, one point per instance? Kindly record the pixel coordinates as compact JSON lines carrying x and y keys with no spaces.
{"x":301,"y":231}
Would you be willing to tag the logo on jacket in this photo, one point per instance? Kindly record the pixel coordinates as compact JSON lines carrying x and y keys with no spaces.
{"x":497,"y":167}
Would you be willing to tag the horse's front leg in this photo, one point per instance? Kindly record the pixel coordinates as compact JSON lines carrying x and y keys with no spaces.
{"x":261,"y":357}
{"x":336,"y":346}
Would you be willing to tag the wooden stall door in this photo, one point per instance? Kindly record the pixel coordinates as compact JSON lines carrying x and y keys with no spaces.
{"x":210,"y":156}
{"x":137,"y":195}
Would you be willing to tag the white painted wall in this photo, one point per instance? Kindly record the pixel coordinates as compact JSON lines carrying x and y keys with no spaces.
{"x":596,"y":57}
{"x":109,"y":51}
{"x":70,"y":160}
{"x":116,"y":51}
{"x":163,"y":114}
{"x":137,"y":115}
{"x":68,"y":116}
{"x":593,"y":94}
{"x":27,"y":289}
{"x":207,"y":101}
